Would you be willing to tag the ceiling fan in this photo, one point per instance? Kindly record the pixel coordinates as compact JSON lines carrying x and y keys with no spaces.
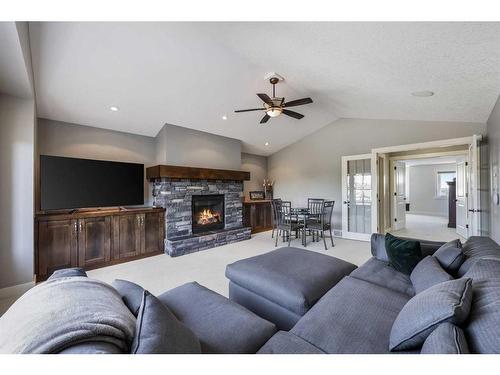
{"x":275,"y":106}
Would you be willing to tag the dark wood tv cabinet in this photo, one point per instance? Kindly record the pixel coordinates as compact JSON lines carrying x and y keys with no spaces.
{"x":96,"y":238}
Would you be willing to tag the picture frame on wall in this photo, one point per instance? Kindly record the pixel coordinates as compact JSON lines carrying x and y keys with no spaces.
{"x":257,"y":195}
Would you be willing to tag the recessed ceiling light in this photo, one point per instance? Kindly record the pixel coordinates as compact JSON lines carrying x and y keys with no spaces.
{"x":422,"y":94}
{"x":266,"y":144}
{"x":224,"y":117}
{"x":114,"y":108}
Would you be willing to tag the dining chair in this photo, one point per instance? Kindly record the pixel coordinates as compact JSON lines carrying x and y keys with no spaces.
{"x":324,"y":224}
{"x":276,"y":206}
{"x":286,"y":222}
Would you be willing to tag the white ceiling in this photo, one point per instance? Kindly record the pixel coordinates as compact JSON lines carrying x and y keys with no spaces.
{"x":190,"y":74}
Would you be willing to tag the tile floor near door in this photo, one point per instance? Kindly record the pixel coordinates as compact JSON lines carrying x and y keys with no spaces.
{"x":428,"y":227}
{"x":161,"y":272}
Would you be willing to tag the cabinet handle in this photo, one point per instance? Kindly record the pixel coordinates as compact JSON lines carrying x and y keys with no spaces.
{"x":81,"y":226}
{"x":76,"y":227}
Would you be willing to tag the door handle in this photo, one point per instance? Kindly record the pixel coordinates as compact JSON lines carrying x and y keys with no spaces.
{"x":346,"y":202}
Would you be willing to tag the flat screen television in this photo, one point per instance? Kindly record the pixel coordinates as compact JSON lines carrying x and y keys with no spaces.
{"x":69,"y":183}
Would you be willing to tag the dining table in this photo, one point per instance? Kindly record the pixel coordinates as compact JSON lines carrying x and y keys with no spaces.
{"x":302,"y":214}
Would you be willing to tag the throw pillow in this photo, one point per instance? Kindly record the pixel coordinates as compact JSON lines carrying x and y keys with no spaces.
{"x":428,"y":273}
{"x":159,"y":332}
{"x":445,"y":302}
{"x":446,"y":339}
{"x":131,"y":294}
{"x":450,"y":256}
{"x":403,"y":254}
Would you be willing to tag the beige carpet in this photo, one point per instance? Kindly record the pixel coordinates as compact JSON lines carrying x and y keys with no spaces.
{"x":161,"y":272}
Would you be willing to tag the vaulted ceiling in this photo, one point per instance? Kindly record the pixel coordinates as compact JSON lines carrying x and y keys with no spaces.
{"x":191,"y":74}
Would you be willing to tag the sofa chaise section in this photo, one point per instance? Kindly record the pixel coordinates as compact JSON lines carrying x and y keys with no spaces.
{"x":355,"y":316}
{"x":221,"y":325}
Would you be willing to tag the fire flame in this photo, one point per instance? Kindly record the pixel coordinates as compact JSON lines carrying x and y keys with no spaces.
{"x":208,"y":217}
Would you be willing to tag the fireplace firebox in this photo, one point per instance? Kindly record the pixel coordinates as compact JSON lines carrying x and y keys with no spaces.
{"x":207,"y":213}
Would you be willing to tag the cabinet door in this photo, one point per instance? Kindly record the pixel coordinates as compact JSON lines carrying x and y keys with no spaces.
{"x":126,"y":236}
{"x":57,"y":246}
{"x":268,"y":214}
{"x":152,"y":231}
{"x":94,"y":241}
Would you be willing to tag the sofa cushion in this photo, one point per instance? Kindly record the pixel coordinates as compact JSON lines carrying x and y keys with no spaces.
{"x":450,"y":256}
{"x":222,"y":326}
{"x":287,"y":343}
{"x":483,"y":327}
{"x":132,"y":294}
{"x":355,"y":316}
{"x":483,"y":269}
{"x":403,"y":254}
{"x":449,"y":301}
{"x":378,"y":246}
{"x":427,"y":273}
{"x":447,"y":338}
{"x":159,"y":332}
{"x":476,"y":248}
{"x":292,"y":278}
{"x":380,"y":273}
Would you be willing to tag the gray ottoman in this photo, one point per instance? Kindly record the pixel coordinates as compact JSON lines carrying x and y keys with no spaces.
{"x":222,"y":326}
{"x":282,"y":285}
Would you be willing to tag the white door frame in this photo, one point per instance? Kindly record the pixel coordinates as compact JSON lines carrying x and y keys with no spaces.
{"x":345,"y":218}
{"x":393,"y":196}
{"x":410,"y":147}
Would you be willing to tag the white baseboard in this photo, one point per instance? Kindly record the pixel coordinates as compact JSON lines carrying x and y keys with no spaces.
{"x":16,"y":290}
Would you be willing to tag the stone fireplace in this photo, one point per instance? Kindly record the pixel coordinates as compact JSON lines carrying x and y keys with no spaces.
{"x":200,"y":213}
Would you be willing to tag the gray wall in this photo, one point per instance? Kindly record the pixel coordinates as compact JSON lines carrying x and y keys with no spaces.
{"x":311,"y":167}
{"x":422,"y":189}
{"x":188,"y":147}
{"x":71,"y":140}
{"x":17,"y":155}
{"x":494,"y":153}
{"x":257,"y":166}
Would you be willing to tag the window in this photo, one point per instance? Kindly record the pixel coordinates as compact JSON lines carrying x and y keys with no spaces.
{"x":442,"y":186}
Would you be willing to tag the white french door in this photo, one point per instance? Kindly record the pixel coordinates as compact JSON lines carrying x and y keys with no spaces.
{"x":357,"y":197}
{"x":398,"y":195}
{"x":462,"y":213}
{"x":474,"y":188}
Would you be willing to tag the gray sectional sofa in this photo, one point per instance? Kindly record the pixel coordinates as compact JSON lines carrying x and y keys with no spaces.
{"x":359,"y":314}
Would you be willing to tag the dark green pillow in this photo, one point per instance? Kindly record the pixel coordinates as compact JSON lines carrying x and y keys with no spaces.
{"x":403,"y":254}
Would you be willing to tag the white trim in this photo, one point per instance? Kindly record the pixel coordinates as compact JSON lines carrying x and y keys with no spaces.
{"x":425,"y":145}
{"x":16,"y":290}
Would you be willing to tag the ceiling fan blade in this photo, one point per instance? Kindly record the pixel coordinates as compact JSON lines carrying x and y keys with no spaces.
{"x":302,"y":101}
{"x":293,"y":114}
{"x":248,"y":110}
{"x":266,"y":99}
{"x":265,"y":118}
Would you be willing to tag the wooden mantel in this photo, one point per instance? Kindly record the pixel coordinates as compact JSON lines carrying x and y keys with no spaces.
{"x":175,"y":171}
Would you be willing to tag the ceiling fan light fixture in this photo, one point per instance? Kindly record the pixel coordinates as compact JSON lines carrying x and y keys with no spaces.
{"x":274,"y":111}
